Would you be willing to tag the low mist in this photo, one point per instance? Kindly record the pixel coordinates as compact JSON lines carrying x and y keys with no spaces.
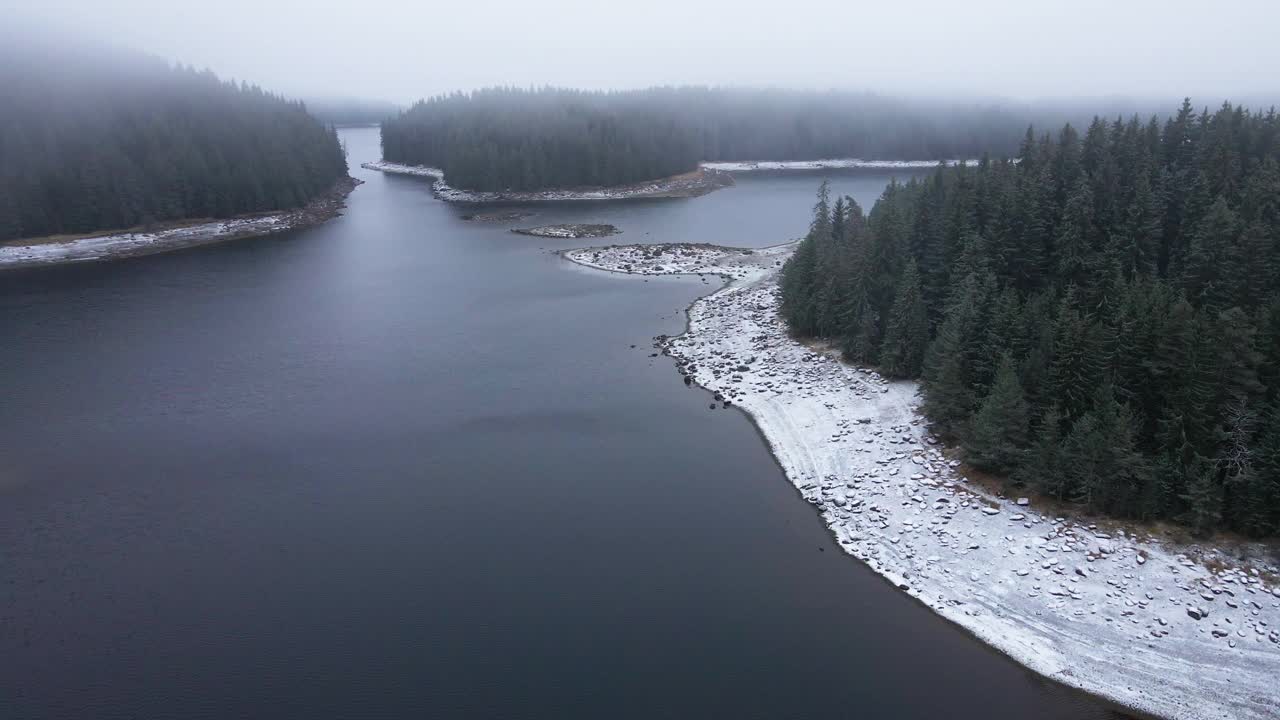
{"x":398,"y":51}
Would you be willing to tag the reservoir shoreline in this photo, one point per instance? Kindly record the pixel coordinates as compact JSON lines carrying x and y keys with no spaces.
{"x":706,"y":178}
{"x":823,"y":414}
{"x":115,"y":245}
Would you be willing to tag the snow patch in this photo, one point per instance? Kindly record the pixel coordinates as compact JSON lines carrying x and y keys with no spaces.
{"x":104,"y":246}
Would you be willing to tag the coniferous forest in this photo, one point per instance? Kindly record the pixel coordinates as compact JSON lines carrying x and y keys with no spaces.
{"x":94,"y":139}
{"x":1098,"y":321}
{"x":512,"y":139}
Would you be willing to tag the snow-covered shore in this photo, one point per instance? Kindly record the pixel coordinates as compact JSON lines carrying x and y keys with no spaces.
{"x":130,"y":244}
{"x":828,"y":164}
{"x":709,"y":176}
{"x":1142,"y":622}
{"x":692,"y":184}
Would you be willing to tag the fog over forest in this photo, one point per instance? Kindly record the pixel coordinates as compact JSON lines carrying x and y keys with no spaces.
{"x":399,"y":51}
{"x":682,"y":358}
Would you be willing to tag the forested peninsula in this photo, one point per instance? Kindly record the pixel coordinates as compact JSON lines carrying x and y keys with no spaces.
{"x":507,"y":139}
{"x":95,"y":139}
{"x":1098,"y":322}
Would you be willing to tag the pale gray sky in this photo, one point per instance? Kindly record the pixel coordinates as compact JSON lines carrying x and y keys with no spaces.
{"x":401,"y":50}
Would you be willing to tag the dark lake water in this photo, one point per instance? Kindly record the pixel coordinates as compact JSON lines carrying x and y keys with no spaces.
{"x":407,"y":466}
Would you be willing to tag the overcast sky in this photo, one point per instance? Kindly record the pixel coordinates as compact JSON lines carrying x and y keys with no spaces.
{"x":401,"y":50}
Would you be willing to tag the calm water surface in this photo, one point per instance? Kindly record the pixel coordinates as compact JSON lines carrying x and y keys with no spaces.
{"x":406,"y":466}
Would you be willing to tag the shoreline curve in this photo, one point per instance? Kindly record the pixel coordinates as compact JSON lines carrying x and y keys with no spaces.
{"x":1171,"y":668}
{"x":117,"y":245}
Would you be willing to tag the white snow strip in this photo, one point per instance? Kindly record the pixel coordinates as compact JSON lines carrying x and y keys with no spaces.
{"x":96,"y":248}
{"x":667,"y":187}
{"x":1131,"y":619}
{"x":829,"y":164}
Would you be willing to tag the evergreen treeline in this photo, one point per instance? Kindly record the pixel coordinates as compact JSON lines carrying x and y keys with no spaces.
{"x":95,"y":139}
{"x":1099,"y":321}
{"x":351,"y":112}
{"x":511,"y":139}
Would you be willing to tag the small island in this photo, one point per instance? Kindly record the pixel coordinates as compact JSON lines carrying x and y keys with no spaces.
{"x":569,"y":231}
{"x":498,"y":216}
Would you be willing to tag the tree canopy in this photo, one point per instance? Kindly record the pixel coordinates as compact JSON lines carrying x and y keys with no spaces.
{"x":98,"y":139}
{"x":1098,"y":319}
{"x":514,"y":139}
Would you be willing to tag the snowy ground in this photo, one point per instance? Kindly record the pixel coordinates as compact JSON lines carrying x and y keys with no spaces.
{"x":829,"y":164}
{"x":124,"y":244}
{"x":1131,"y":619}
{"x":687,"y":185}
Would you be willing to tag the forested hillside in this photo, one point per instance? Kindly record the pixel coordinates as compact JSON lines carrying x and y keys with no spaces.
{"x":94,"y":139}
{"x":1099,"y":321}
{"x":511,"y":139}
{"x":351,"y":111}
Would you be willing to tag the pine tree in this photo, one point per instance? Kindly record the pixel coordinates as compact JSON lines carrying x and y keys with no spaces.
{"x":949,"y":398}
{"x":797,"y":286}
{"x":799,"y":274}
{"x":1203,"y":497}
{"x":1043,"y":468}
{"x":1257,"y":485}
{"x":1119,"y":476}
{"x":907,"y":335}
{"x":1210,"y":245}
{"x":1076,"y":367}
{"x":998,"y":437}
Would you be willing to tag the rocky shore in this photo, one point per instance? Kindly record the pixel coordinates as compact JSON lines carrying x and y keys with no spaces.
{"x":53,"y":251}
{"x":690,"y":184}
{"x":1167,"y":629}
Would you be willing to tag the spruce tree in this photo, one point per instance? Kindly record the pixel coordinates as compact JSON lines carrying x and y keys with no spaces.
{"x":1043,"y":467}
{"x":998,"y":437}
{"x":1076,"y":366}
{"x":907,"y":335}
{"x":1203,"y":496}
